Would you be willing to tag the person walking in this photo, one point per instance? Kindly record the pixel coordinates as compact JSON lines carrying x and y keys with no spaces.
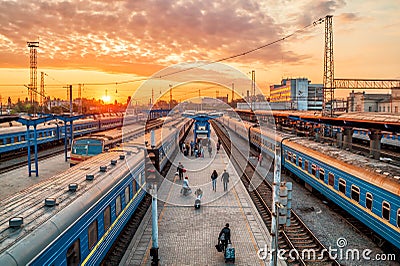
{"x":191,"y":148}
{"x":179,"y":169}
{"x":225,"y":236}
{"x":225,"y":179}
{"x":209,"y":150}
{"x":214,"y":177}
{"x":260,"y":157}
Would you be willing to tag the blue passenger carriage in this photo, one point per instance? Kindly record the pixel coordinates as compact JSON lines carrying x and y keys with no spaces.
{"x":83,"y":225}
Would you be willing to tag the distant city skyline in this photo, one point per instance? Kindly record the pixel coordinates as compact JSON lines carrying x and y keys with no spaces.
{"x":108,"y":42}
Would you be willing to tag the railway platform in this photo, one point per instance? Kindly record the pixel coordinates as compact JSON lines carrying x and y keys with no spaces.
{"x":188,"y":236}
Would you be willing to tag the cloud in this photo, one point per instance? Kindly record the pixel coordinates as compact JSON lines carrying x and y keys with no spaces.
{"x":139,"y":36}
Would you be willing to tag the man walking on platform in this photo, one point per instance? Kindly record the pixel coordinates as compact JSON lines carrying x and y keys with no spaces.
{"x":225,"y":179}
{"x":179,"y":169}
{"x":214,"y":177}
{"x":225,"y":236}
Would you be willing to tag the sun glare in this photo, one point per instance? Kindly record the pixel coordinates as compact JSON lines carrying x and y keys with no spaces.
{"x":106,"y":98}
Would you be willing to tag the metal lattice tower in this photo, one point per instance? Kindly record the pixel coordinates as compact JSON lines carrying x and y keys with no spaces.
{"x":329,"y":77}
{"x":33,"y":70}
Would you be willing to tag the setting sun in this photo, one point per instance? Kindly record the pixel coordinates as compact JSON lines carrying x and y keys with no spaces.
{"x":106,"y":98}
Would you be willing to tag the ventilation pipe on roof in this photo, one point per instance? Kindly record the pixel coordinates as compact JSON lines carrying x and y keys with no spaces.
{"x":16,"y":222}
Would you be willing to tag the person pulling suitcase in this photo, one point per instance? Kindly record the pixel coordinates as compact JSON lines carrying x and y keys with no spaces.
{"x":224,"y":239}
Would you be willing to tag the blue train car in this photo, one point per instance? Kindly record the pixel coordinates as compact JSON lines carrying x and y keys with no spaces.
{"x":83,"y":225}
{"x":372,"y":199}
{"x":15,"y":138}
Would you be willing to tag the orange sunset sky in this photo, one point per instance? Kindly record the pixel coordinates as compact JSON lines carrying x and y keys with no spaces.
{"x":100,"y":41}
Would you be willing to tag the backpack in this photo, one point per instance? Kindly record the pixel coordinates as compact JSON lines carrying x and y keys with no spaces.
{"x":222,"y":238}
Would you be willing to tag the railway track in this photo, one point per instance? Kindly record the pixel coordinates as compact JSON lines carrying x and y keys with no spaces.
{"x":296,"y":239}
{"x":17,"y":162}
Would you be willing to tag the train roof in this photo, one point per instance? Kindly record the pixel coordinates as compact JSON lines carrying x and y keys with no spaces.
{"x":163,"y":132}
{"x":20,"y":243}
{"x":382,"y":174}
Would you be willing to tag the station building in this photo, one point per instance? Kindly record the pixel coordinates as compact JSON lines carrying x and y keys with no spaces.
{"x":292,"y":94}
{"x":385,"y":103}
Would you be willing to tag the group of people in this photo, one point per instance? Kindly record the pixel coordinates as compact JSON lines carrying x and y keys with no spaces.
{"x":198,"y":148}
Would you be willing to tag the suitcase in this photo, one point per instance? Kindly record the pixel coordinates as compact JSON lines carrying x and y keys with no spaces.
{"x":197,"y":203}
{"x":230,"y":254}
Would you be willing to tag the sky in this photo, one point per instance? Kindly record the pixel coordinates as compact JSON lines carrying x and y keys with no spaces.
{"x":119,"y":43}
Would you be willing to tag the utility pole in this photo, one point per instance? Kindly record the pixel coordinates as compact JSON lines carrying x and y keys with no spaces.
{"x":80,"y":98}
{"x":170,"y":96}
{"x":275,"y":205}
{"x":253,"y":88}
{"x":42,"y":90}
{"x":233,"y":92}
{"x":329,"y":77}
{"x":33,"y":72}
{"x":70,"y":100}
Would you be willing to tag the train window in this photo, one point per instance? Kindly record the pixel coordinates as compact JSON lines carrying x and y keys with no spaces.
{"x":1,"y":142}
{"x":300,"y":163}
{"x":368,"y":200}
{"x":92,"y":234}
{"x":133,"y":187}
{"x":15,"y":139}
{"x":107,"y":218}
{"x":398,"y":218}
{"x":342,"y":186}
{"x":8,"y":140}
{"x":22,"y":138}
{"x":306,"y":165}
{"x":355,"y":193}
{"x":127,"y":195}
{"x":331,"y":179}
{"x":322,"y":174}
{"x":73,"y":254}
{"x":118,"y":206}
{"x":314,"y":170}
{"x":294,"y":158}
{"x":289,"y":156}
{"x":386,"y":210}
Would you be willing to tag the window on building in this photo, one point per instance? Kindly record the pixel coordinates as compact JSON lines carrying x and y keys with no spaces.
{"x":118,"y":206}
{"x":368,"y":200}
{"x":92,"y":234}
{"x":386,"y":210}
{"x":355,"y":193}
{"x":127,"y":196}
{"x":379,"y":108}
{"x":107,"y":218}
{"x":322,"y":174}
{"x":342,"y":186}
{"x":331,"y":179}
{"x":314,"y":170}
{"x":74,"y":254}
{"x":396,"y":109}
{"x":384,"y":108}
{"x":370,"y":109}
